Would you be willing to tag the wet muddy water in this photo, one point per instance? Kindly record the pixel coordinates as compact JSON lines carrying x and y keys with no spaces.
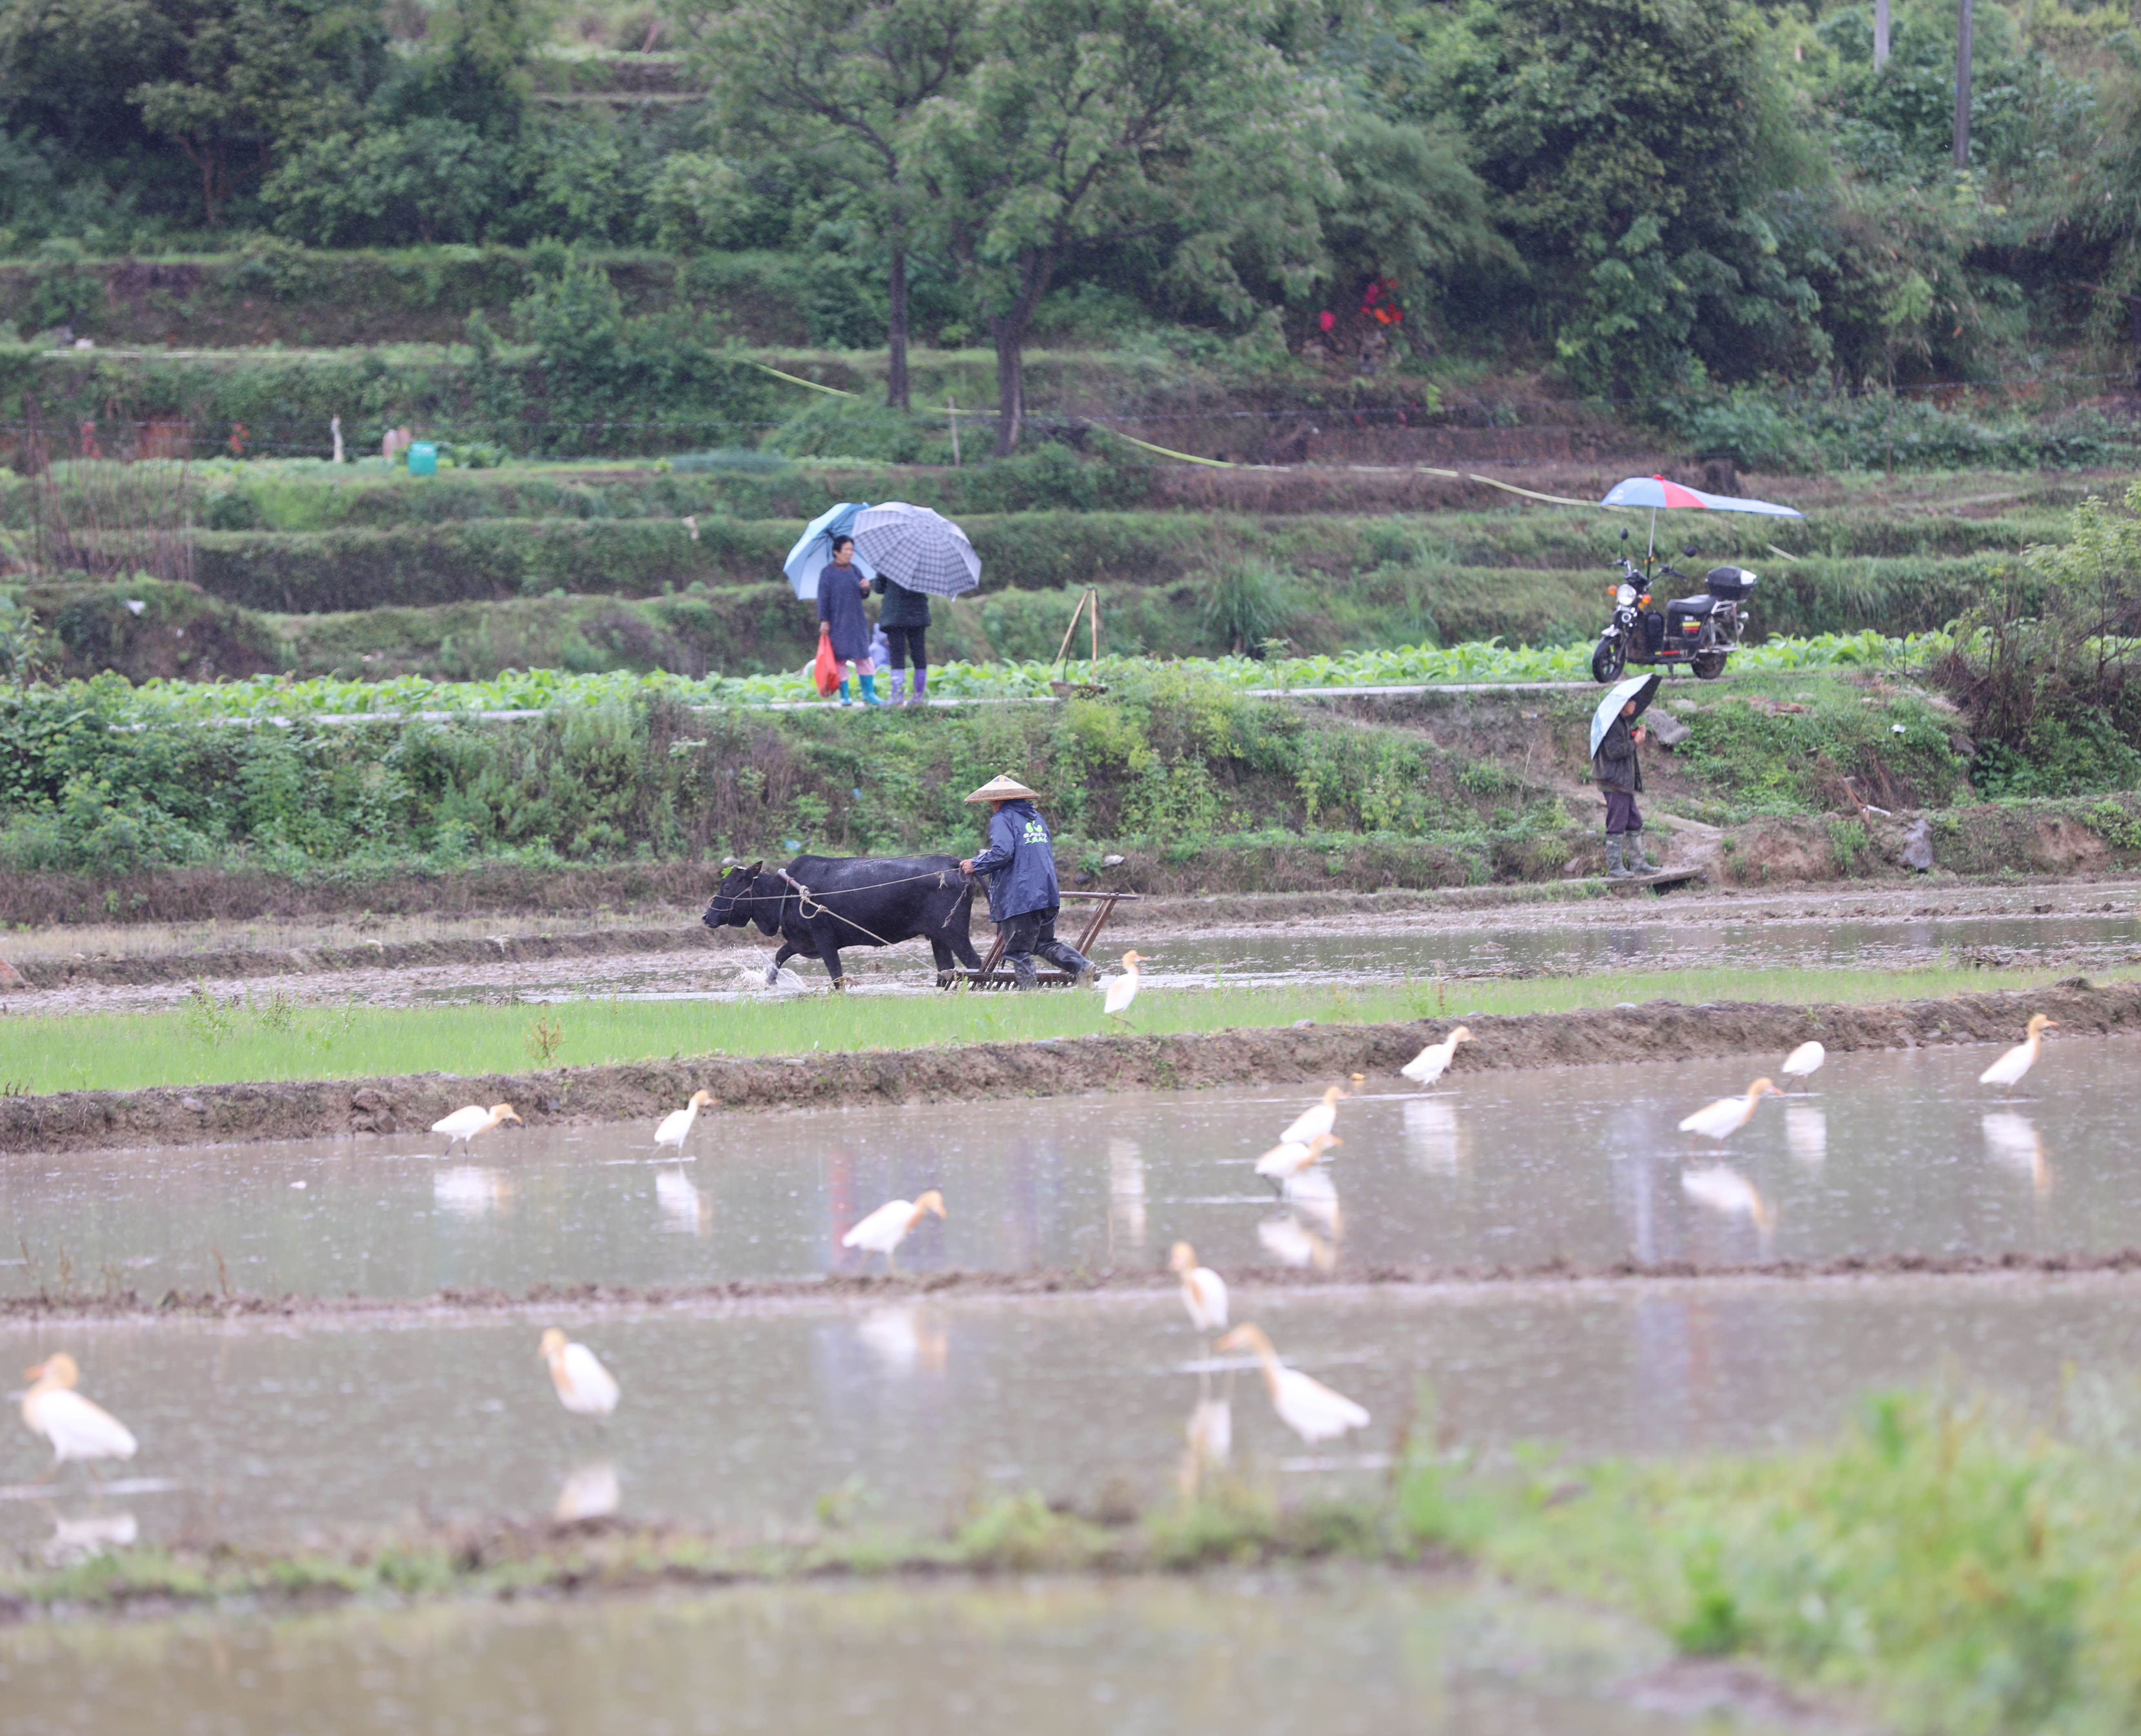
{"x":1343,"y":1654}
{"x":1646,"y":936}
{"x":1899,"y":1152}
{"x":743,"y":1418}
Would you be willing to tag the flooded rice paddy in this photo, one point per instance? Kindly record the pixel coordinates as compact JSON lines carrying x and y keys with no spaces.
{"x":1343,"y":1655}
{"x":1629,"y":936}
{"x":1886,"y":1152}
{"x":750,"y":1420}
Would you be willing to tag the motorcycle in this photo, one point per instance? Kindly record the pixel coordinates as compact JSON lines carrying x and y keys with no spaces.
{"x":1696,"y":632}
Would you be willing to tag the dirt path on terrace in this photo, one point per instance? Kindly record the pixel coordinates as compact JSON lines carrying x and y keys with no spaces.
{"x":203,"y":1114}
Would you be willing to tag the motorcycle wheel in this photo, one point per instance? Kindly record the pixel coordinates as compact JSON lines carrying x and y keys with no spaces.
{"x":1607,"y":661}
{"x":1707,"y":664}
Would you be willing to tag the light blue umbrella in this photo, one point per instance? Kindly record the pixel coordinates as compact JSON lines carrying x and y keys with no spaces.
{"x":814,"y":548}
{"x":1641,"y":688}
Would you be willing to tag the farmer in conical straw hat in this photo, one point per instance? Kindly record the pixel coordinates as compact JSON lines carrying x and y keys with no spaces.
{"x":1024,"y":898}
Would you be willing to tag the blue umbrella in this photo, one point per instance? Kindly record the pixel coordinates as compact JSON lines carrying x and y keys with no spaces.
{"x":1641,"y":688}
{"x":814,"y":548}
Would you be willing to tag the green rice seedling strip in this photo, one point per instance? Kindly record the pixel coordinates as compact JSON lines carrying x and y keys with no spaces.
{"x":266,"y":1037}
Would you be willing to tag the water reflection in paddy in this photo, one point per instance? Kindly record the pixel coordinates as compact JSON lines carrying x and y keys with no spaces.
{"x":1359,"y":1654}
{"x":1898,"y":1152}
{"x":743,"y":1419}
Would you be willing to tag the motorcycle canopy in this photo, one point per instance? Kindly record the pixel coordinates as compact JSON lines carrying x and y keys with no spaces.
{"x":1641,"y":688}
{"x":1655,"y":492}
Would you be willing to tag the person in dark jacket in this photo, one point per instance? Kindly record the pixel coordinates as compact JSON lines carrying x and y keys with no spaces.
{"x":841,"y":588}
{"x":905,"y":619}
{"x":1619,"y":775}
{"x":1024,"y":899}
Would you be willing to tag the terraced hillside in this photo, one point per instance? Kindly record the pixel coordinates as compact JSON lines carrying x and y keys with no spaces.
{"x":359,"y":570}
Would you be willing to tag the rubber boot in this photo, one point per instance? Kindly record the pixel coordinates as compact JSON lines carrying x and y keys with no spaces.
{"x":1633,"y":855}
{"x":845,"y":700}
{"x":899,"y":686}
{"x":869,"y":690}
{"x":1073,"y":963}
{"x":1021,"y":968}
{"x":1617,"y":866}
{"x":920,"y":685}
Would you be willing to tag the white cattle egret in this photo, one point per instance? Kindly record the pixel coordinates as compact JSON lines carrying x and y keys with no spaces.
{"x":1318,"y":1118}
{"x":1289,"y":1158}
{"x":2007,"y":1071}
{"x":464,"y":1125}
{"x":1721,"y":1119}
{"x":76,"y":1427}
{"x":1309,"y":1407}
{"x":885,"y":1228}
{"x":677,"y":1126}
{"x":1728,"y":1191}
{"x":584,"y":1386}
{"x":1805,"y":1058}
{"x":1124,"y":989}
{"x":1203,"y":1290}
{"x":1432,"y":1062}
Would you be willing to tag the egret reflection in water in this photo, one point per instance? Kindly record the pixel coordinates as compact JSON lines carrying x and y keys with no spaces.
{"x":1291,"y":1242}
{"x":1806,"y":1133}
{"x":685,"y":1207}
{"x":91,"y":1534}
{"x":2013,"y":1140}
{"x":470,"y":1191}
{"x":905,"y":1340}
{"x":1126,"y":1196}
{"x":1207,"y":1441}
{"x":1435,"y":1138}
{"x":590,"y":1491}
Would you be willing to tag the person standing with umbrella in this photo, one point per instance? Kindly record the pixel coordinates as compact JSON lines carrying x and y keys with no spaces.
{"x":916,"y":555}
{"x":1024,"y":900}
{"x":905,"y":620}
{"x":841,"y":621}
{"x":1615,"y":769}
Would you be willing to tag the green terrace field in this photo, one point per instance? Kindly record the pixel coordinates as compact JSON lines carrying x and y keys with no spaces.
{"x":263,"y":1035}
{"x":358,"y":571}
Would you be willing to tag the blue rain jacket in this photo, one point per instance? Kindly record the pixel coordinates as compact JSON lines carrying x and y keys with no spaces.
{"x":1020,"y":863}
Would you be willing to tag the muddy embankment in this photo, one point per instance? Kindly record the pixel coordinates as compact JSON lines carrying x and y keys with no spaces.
{"x":86,"y":1120}
{"x":123,"y":1304}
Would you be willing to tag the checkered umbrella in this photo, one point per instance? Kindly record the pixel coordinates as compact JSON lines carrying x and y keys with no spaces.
{"x":917,"y":548}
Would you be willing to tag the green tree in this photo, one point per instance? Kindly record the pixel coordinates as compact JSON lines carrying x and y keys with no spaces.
{"x":840,"y":82}
{"x":1631,"y":145}
{"x":1099,"y":124}
{"x":256,"y":73}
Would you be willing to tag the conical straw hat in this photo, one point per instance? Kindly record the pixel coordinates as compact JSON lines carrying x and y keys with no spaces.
{"x":1004,"y":788}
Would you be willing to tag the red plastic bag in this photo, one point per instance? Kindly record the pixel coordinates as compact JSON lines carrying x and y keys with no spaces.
{"x":826,"y":673}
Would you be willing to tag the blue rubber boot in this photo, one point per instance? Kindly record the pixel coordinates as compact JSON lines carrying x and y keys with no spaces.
{"x":869,"y":690}
{"x":845,"y":700}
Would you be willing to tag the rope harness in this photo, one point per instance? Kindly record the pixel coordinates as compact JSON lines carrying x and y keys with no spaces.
{"x":811,"y":905}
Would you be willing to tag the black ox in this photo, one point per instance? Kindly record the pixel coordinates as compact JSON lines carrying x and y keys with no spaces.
{"x":852,"y":901}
